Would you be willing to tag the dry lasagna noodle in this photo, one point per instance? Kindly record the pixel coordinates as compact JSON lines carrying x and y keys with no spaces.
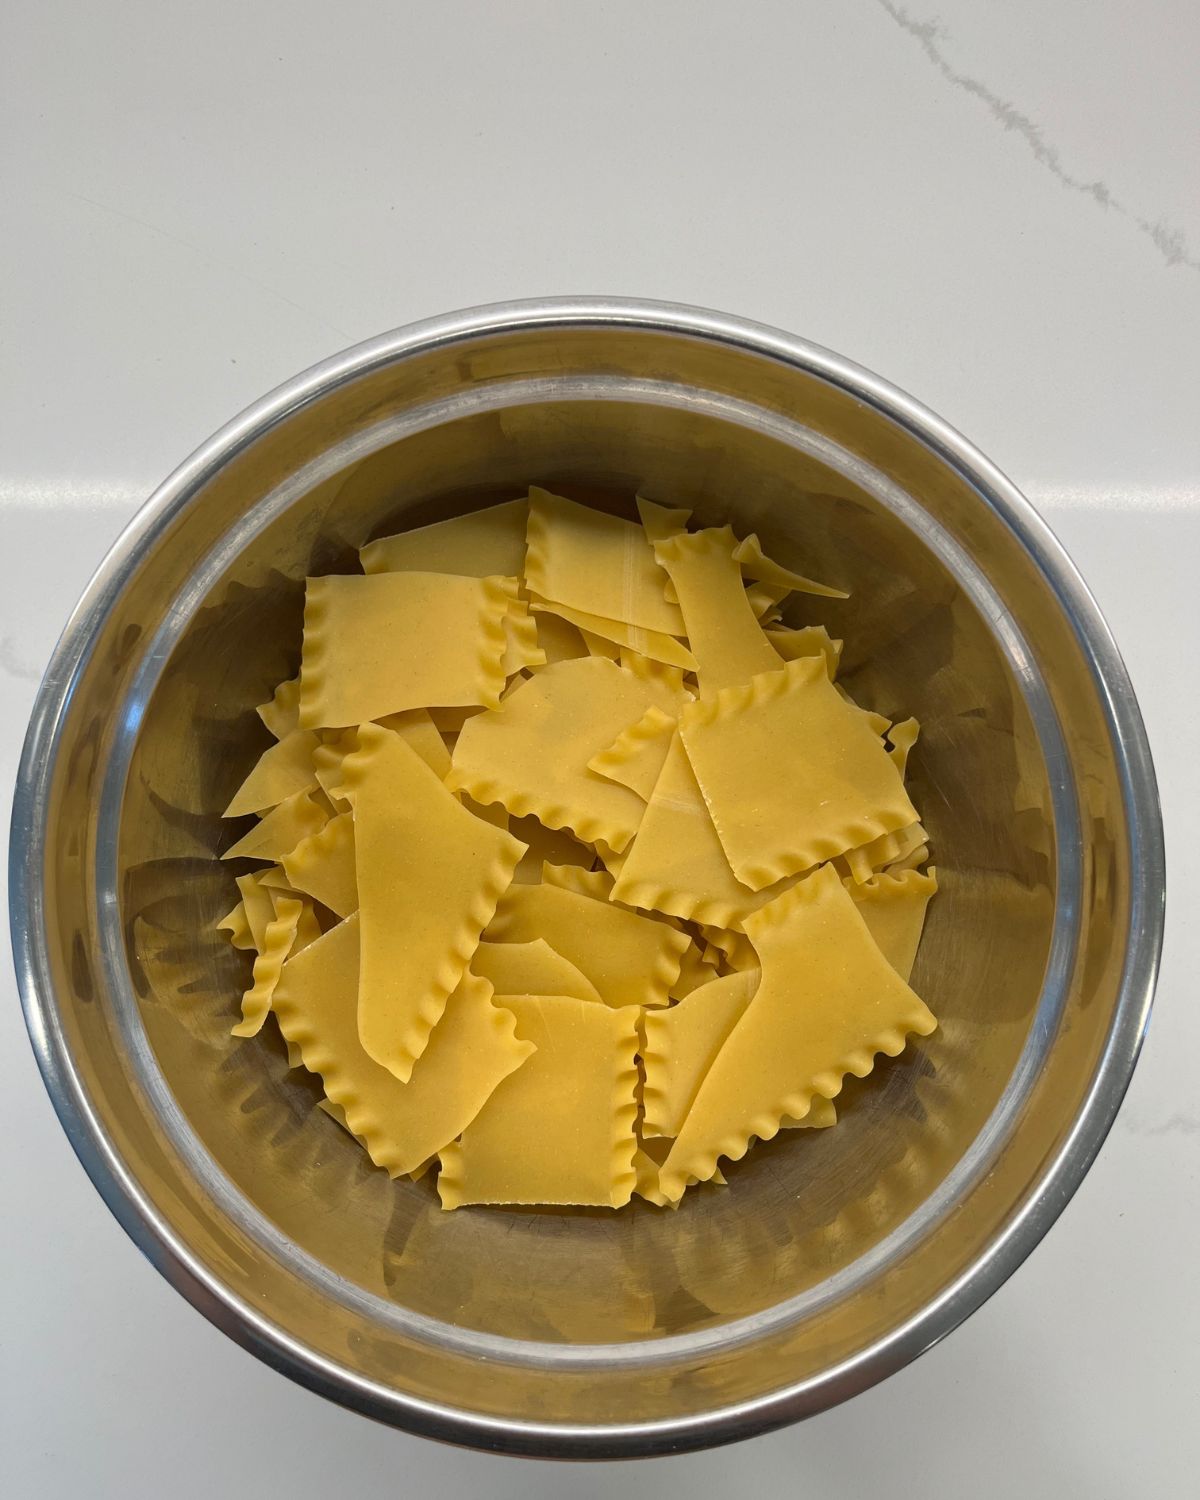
{"x":572,"y":871}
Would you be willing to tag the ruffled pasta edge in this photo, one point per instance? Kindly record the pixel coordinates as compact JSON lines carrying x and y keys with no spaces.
{"x":277,"y":944}
{"x":655,"y":1065}
{"x":766,"y":1123}
{"x":318,"y":1057}
{"x":499,"y":597}
{"x":654,"y":724}
{"x":457,"y":956}
{"x":309,"y":851}
{"x":648,"y":896}
{"x":765,"y":687}
{"x":585,"y":826}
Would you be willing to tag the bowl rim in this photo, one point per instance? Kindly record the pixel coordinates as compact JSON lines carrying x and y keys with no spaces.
{"x":1047,"y":1195}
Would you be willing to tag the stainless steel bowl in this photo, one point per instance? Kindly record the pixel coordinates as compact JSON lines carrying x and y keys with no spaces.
{"x":833,"y":1257}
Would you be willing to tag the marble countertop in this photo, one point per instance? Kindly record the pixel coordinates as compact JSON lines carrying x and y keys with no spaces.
{"x":993,"y":206}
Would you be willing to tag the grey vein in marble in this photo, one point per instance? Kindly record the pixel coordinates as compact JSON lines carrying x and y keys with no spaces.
{"x":1168,"y":240}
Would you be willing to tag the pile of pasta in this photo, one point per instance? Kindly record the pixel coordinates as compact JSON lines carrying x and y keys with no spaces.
{"x":582,"y":872}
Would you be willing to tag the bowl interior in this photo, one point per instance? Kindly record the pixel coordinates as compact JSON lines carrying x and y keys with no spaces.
{"x":825,"y":1243}
{"x":800,"y":1208}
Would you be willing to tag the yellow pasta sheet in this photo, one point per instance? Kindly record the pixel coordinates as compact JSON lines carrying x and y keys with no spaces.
{"x":631,"y":959}
{"x":281,"y":829}
{"x":558,"y":639}
{"x":532,"y":968}
{"x":451,"y":720}
{"x":531,"y":753}
{"x":258,"y":908}
{"x":729,"y":950}
{"x":600,"y":645}
{"x":281,"y":714}
{"x":902,"y":737}
{"x":660,"y":521}
{"x":474,"y":1047}
{"x":676,"y":863}
{"x":893,"y":907}
{"x":421,"y":918}
{"x":645,"y":666}
{"x":616,"y":635}
{"x":725,"y":638}
{"x":308,"y":929}
{"x":484,"y":544}
{"x":609,"y":858}
{"x":647,"y":1163}
{"x":807,"y":640}
{"x":791,"y":773}
{"x":561,"y":1129}
{"x":765,"y":601}
{"x":335,"y":745}
{"x":596,"y":563}
{"x":821,"y":1115}
{"x":827,"y":1003}
{"x":544,"y":845}
{"x":277,"y":944}
{"x":598,"y":884}
{"x":635,"y":758}
{"x":522,"y":649}
{"x":323,"y":866}
{"x":883,"y":852}
{"x":912,"y":861}
{"x":417,"y":727}
{"x":681,"y":1043}
{"x":756,"y":564}
{"x":694,"y":970}
{"x":878,"y":723}
{"x":890,"y":848}
{"x":391,"y":642}
{"x":645,"y":1179}
{"x":281,"y":771}
{"x":237,"y":925}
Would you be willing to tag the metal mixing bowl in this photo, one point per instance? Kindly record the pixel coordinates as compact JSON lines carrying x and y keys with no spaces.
{"x":833,"y":1257}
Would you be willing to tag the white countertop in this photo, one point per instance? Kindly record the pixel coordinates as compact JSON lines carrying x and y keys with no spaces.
{"x":993,"y":206}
